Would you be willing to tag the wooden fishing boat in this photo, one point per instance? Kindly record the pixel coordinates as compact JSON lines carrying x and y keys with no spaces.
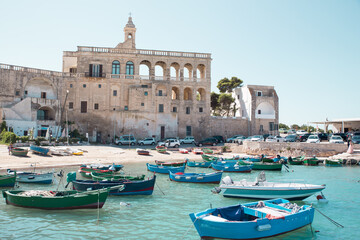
{"x":112,"y":176}
{"x":164,"y":169}
{"x":57,"y":200}
{"x":143,"y":187}
{"x":261,"y":189}
{"x":333,"y":162}
{"x":161,"y":149}
{"x":253,"y":159}
{"x":86,"y":172}
{"x":39,"y":150}
{"x":311,"y":161}
{"x":296,"y":160}
{"x":32,"y":177}
{"x":252,"y":220}
{"x":196,"y":177}
{"x":199,"y":164}
{"x":197,"y":151}
{"x":20,"y":152}
{"x":171,"y":164}
{"x":113,"y":167}
{"x":267,"y":166}
{"x":8,"y":180}
{"x":232,"y":167}
{"x":207,"y":151}
{"x":183,"y":151}
{"x":214,"y":158}
{"x":208,"y":158}
{"x":141,"y":151}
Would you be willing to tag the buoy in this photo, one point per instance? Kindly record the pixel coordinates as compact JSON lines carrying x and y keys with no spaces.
{"x":321,"y":198}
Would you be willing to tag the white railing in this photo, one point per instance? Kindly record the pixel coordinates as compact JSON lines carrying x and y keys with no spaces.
{"x":143,"y":52}
{"x":159,"y":78}
{"x":174,"y":79}
{"x":144,"y":77}
{"x":187,"y":79}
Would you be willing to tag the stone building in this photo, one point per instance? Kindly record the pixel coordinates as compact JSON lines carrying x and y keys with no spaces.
{"x":107,"y":92}
{"x":260,"y":106}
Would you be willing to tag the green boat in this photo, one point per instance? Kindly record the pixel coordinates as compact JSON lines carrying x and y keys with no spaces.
{"x":161,"y":149}
{"x":57,"y":200}
{"x":296,"y":160}
{"x":207,"y":151}
{"x":333,"y":163}
{"x":20,"y":152}
{"x":8,"y":180}
{"x":267,"y":166}
{"x":208,"y":158}
{"x":311,"y":161}
{"x":98,"y":176}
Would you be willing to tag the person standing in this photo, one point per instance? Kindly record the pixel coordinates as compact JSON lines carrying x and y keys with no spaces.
{"x":10,"y":147}
{"x":349,"y":140}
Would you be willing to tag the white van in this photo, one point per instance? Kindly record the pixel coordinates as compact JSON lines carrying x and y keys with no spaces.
{"x":126,"y":140}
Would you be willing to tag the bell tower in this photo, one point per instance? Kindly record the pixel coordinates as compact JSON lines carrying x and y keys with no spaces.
{"x":129,"y":31}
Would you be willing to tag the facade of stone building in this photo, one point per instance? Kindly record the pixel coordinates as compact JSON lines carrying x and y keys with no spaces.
{"x":260,"y":106}
{"x":108,"y":92}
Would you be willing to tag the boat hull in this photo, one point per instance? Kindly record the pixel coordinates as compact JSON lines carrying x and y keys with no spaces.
{"x":164,"y":169}
{"x":145,"y":187}
{"x":113,"y":176}
{"x":196,"y":177}
{"x":250,"y":229}
{"x":199,"y":164}
{"x":333,"y":163}
{"x":39,"y":150}
{"x":19,"y":152}
{"x":7,"y":180}
{"x":267,"y":166}
{"x":40,"y":178}
{"x":171,"y":164}
{"x":232,"y":167}
{"x":75,"y":200}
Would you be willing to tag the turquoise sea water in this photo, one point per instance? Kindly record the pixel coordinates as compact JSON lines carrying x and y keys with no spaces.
{"x":165,"y":216}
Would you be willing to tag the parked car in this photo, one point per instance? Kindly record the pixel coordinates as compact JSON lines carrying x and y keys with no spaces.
{"x":342,"y":135}
{"x":126,"y":140}
{"x":336,"y":139}
{"x":208,"y":141}
{"x":257,"y":138}
{"x":147,"y":141}
{"x":283,"y":130}
{"x":187,"y":140}
{"x":240,"y":139}
{"x":291,"y":131}
{"x":233,"y":138}
{"x":265,"y":136}
{"x":323,"y":136}
{"x":172,"y":143}
{"x":274,"y":139}
{"x":292,"y":138}
{"x":313,"y":139}
{"x":162,"y":143}
{"x":248,"y":139}
{"x":356,"y":139}
{"x":304,"y":137}
{"x":301,"y":132}
{"x":220,"y":139}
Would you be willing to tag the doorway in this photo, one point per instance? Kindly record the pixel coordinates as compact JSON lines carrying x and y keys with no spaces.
{"x":162,"y":132}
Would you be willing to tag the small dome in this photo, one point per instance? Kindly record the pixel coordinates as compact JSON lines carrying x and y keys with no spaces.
{"x":130,"y":23}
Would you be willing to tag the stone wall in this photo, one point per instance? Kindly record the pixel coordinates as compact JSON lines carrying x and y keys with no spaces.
{"x":227,"y":127}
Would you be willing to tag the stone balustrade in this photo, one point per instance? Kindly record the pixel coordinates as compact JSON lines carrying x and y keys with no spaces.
{"x":34,"y":70}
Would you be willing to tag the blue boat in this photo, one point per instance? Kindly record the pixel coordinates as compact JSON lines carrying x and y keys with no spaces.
{"x":143,"y":187}
{"x":252,"y":220}
{"x":32,"y":177}
{"x":164,"y":169}
{"x":196,"y":177}
{"x":39,"y":150}
{"x":199,"y":164}
{"x":231,"y":167}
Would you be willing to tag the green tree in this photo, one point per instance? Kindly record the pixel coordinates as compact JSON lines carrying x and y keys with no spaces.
{"x":215,"y":105}
{"x":295,"y":126}
{"x":226,"y":100}
{"x":226,"y":85}
{"x":282,"y":125}
{"x":3,"y":126}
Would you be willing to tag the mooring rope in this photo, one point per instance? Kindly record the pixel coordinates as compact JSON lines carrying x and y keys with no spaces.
{"x":331,"y":220}
{"x":98,"y":208}
{"x":186,"y":232}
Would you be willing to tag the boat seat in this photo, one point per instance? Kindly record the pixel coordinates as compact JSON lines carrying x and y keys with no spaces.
{"x":214,"y":218}
{"x":272,"y":211}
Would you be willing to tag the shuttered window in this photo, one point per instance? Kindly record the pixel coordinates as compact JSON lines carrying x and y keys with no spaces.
{"x":83,"y":107}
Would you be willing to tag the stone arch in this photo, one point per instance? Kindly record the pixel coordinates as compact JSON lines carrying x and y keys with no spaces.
{"x":160,"y":90}
{"x":144,"y":69}
{"x":200,"y":71}
{"x":160,"y":70}
{"x":36,"y":86}
{"x":187,"y":93}
{"x":175,"y":93}
{"x":45,"y":113}
{"x":200,"y":94}
{"x":265,"y":110}
{"x":175,"y":71}
{"x":188,"y":71}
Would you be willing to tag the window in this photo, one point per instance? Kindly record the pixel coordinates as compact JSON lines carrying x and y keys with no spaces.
{"x":114,"y":93}
{"x":126,"y":108}
{"x":188,"y":131}
{"x":25,"y":133}
{"x":142,"y":104}
{"x":96,"y":106}
{"x":26,"y":92}
{"x":115,"y":67}
{"x":71,"y":105}
{"x":17,"y":93}
{"x":129,"y":68}
{"x":174,"y":109}
{"x":187,"y":110}
{"x":161,"y":107}
{"x":259,"y":93}
{"x":201,"y":109}
{"x":160,"y":93}
{"x":84,"y":85}
{"x":83,"y":107}
{"x":43,"y":94}
{"x":73,"y":70}
{"x":261,"y":128}
{"x":99,"y":85}
{"x":71,"y":85}
{"x":271,"y":126}
{"x":259,"y":111}
{"x":95,"y":70}
{"x":145,"y":93}
{"x":238,"y":96}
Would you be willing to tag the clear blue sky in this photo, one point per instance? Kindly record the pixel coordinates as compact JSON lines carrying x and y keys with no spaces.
{"x":308,"y":50}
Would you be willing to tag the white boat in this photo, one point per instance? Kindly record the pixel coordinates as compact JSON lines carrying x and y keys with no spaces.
{"x":261,"y":189}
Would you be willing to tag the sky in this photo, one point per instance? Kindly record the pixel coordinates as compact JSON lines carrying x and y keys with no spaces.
{"x":308,"y":50}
